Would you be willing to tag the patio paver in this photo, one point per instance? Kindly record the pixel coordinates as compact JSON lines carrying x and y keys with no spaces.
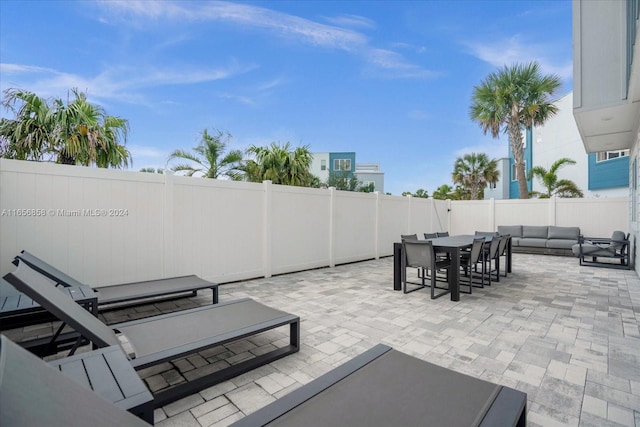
{"x":566,"y":335}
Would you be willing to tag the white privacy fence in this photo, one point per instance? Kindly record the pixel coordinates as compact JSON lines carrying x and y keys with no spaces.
{"x":596,"y":217}
{"x":106,"y":226}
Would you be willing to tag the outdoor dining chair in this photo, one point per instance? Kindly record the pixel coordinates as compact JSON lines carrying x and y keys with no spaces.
{"x":420,"y":254}
{"x":502,"y":252}
{"x":490,"y":256}
{"x":469,"y":262}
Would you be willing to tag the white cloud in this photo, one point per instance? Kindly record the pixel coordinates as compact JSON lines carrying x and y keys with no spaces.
{"x":238,"y":98}
{"x":281,"y":24}
{"x":495,"y":149}
{"x":353,"y":21}
{"x":122,"y":83}
{"x":515,"y":50}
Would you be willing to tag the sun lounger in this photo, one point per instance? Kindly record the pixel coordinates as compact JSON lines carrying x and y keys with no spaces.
{"x":157,"y":339}
{"x":33,"y":393}
{"x":384,"y":387}
{"x":126,"y":293}
{"x":19,"y":310}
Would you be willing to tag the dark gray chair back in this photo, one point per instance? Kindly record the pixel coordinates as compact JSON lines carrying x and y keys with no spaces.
{"x":617,"y":239}
{"x":486,"y":233}
{"x":476,"y":250}
{"x":502,"y":249}
{"x":430,"y":235}
{"x":493,"y":248}
{"x":404,"y":237}
{"x":419,"y":254}
{"x":442,"y":233}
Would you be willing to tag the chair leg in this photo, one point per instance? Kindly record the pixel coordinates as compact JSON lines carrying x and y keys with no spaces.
{"x":433,"y":279}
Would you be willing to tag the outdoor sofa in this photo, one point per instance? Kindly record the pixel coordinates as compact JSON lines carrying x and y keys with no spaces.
{"x":154,"y":340}
{"x":19,"y":310}
{"x":384,"y":387}
{"x":547,"y":240}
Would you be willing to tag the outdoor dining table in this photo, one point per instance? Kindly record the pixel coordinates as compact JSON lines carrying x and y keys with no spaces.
{"x":452,"y":245}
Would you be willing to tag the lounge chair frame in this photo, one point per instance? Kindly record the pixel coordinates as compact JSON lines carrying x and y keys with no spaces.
{"x":34,"y":393}
{"x":125,"y":294}
{"x":173,"y":335}
{"x":328,"y":397}
{"x":621,"y":253}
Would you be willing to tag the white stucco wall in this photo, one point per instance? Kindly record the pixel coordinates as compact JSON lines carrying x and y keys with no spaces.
{"x":558,"y":138}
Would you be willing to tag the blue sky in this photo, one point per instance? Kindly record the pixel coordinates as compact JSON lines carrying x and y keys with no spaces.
{"x":390,"y":80}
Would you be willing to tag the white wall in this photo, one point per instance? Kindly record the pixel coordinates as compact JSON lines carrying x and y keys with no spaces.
{"x":316,"y":166}
{"x":220,"y":230}
{"x":596,"y":217}
{"x":225,"y":231}
{"x":558,"y":138}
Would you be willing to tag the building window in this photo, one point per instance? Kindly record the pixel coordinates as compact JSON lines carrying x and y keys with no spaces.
{"x":514,"y":171}
{"x":342,"y":164}
{"x":608,"y":155}
{"x":323,"y":165}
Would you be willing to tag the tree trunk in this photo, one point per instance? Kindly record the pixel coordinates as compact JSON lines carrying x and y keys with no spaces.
{"x":522,"y":181}
{"x":517,"y":148}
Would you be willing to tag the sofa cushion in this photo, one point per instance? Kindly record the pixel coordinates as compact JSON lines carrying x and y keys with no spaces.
{"x":565,"y":233}
{"x":535,"y":231}
{"x":532,"y":242}
{"x":513,"y":230}
{"x":560,"y":243}
{"x":515,"y":241}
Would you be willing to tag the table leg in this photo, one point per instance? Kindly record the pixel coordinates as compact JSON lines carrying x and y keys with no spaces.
{"x":454,"y":274}
{"x":508,"y":256}
{"x":397,"y":266}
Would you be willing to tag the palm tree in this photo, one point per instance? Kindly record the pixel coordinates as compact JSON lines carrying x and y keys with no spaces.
{"x":421,"y":193}
{"x":474,"y":171}
{"x":443,"y":192}
{"x":555,"y":187}
{"x":342,"y":180}
{"x":78,"y":133}
{"x":280,"y":165}
{"x":27,"y":136}
{"x":209,"y":158}
{"x":511,"y":99}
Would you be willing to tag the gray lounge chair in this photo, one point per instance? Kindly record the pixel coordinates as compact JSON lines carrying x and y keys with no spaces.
{"x":33,"y":393}
{"x":158,"y":339}
{"x":616,"y":249}
{"x":126,"y":293}
{"x":384,"y":387}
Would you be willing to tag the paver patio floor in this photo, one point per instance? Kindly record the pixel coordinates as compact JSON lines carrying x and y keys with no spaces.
{"x":568,"y":336}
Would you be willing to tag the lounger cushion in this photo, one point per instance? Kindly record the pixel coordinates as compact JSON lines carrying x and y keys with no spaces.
{"x":592,"y":250}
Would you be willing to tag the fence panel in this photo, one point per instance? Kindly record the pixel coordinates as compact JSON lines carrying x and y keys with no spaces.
{"x":300,"y":228}
{"x":218,"y":229}
{"x":354,"y":226}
